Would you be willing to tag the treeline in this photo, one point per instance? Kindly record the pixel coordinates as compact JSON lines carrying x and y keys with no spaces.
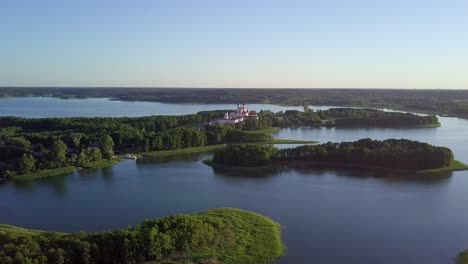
{"x":392,"y":154}
{"x":250,"y":155}
{"x":214,"y":236}
{"x":375,"y":118}
{"x":26,"y":153}
{"x":343,"y":117}
{"x":290,"y":118}
{"x":29,"y":145}
{"x":441,"y":101}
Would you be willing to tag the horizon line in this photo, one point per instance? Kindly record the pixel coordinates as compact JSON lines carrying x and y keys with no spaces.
{"x":231,"y":88}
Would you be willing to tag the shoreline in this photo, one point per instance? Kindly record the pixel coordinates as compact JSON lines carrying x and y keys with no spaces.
{"x":41,"y":174}
{"x":162,"y":153}
{"x":298,"y":164}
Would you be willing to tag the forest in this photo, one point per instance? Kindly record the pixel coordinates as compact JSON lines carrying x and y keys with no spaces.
{"x":439,"y":101}
{"x":401,"y":154}
{"x":345,"y":117}
{"x":214,"y":236}
{"x":29,"y":145}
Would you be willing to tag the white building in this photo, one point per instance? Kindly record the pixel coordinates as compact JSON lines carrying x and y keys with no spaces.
{"x":241,"y":114}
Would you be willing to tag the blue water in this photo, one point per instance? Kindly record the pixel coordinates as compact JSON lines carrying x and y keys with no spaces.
{"x":103,"y":107}
{"x":327,"y":216}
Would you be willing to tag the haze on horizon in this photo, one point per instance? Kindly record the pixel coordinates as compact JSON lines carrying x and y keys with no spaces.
{"x":244,"y":44}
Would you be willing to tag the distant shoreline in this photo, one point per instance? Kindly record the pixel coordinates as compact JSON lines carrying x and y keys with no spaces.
{"x":444,"y":102}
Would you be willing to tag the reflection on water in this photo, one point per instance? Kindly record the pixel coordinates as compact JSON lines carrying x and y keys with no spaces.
{"x":248,"y":173}
{"x":57,"y":184}
{"x":385,"y":175}
{"x":183,"y":158}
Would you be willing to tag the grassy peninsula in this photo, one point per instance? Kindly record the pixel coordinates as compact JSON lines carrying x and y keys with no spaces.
{"x":191,"y":150}
{"x":102,"y":163}
{"x":215,"y":236}
{"x":46,"y":173}
{"x":211,"y":148}
{"x":455,"y":165}
{"x":289,"y":141}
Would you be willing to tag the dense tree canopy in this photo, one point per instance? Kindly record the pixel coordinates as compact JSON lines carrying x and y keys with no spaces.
{"x":345,"y":117}
{"x":27,"y":145}
{"x":215,"y":236}
{"x":376,"y":118}
{"x":245,"y":155}
{"x":392,"y":153}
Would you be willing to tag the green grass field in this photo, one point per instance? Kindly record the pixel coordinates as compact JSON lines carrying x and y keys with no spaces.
{"x":248,"y":238}
{"x":45,"y":173}
{"x":102,"y":163}
{"x":18,"y":231}
{"x":194,"y":150}
{"x":66,"y":170}
{"x":291,"y":141}
{"x":211,"y":148}
{"x":269,"y":130}
{"x":454,"y":166}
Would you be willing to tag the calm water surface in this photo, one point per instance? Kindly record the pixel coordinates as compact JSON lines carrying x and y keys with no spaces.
{"x":103,"y":107}
{"x":327,"y":216}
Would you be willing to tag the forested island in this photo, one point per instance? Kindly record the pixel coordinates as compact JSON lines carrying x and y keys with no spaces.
{"x":214,"y":236}
{"x":346,"y":117}
{"x":391,"y":154}
{"x":440,"y":101}
{"x":41,"y":147}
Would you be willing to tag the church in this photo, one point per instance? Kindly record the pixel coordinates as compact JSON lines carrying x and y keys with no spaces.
{"x":240,"y":115}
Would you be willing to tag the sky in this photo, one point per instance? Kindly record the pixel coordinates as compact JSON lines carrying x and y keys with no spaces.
{"x":238,"y":43}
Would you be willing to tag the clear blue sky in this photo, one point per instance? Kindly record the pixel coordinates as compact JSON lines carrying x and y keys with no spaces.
{"x":200,"y":43}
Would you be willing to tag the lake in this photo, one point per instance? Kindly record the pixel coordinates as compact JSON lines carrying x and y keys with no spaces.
{"x":103,"y":107}
{"x":327,"y":216}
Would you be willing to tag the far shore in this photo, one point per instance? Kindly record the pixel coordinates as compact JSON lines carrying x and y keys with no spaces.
{"x":394,"y":108}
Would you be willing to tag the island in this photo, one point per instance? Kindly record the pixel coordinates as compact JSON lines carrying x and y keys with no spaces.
{"x":224,"y":235}
{"x":32,"y":148}
{"x":348,"y":117}
{"x":391,"y":154}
